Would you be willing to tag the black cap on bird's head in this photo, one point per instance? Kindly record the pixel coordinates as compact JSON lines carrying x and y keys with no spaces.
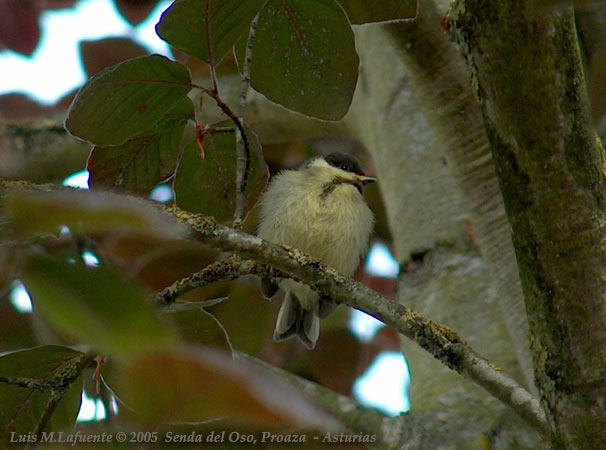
{"x":350,"y":164}
{"x":344,"y":161}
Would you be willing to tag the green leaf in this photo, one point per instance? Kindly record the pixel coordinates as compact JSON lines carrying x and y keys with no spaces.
{"x":304,"y":57}
{"x":183,"y":25}
{"x":96,"y":306}
{"x":20,"y":407}
{"x":141,"y":163}
{"x":364,"y":11}
{"x":88,"y":212}
{"x":198,"y":326}
{"x":127,"y":99}
{"x":208,"y":185}
{"x":197,"y":385}
{"x":246,"y":300}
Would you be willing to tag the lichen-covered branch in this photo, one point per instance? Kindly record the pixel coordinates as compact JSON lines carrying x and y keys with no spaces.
{"x":58,"y":387}
{"x":527,"y":72}
{"x":28,"y":383}
{"x":229,"y":269}
{"x":441,"y":342}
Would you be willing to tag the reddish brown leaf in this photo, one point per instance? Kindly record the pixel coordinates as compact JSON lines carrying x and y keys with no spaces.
{"x":16,"y":330}
{"x":158,"y":263}
{"x":64,"y":102}
{"x":19,"y":29}
{"x":338,"y":359}
{"x":19,"y":106}
{"x":135,"y":11}
{"x":171,"y":262}
{"x":56,"y":4}
{"x":385,"y":286}
{"x":124,"y":249}
{"x":196,"y":385}
{"x":97,"y":55}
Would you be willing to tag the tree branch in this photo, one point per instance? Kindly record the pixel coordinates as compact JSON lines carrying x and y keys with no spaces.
{"x":29,"y":383}
{"x":243,"y":159}
{"x":58,"y":390}
{"x":241,"y":177}
{"x":443,"y":343}
{"x":550,"y":168}
{"x":228,"y":269}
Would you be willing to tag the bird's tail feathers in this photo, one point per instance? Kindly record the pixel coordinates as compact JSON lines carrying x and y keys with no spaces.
{"x":294,"y":320}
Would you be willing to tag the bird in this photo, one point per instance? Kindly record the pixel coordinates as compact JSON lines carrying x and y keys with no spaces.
{"x":319,"y":209}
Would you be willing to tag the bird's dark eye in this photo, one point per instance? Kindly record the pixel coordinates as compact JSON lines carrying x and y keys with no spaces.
{"x":344,"y":167}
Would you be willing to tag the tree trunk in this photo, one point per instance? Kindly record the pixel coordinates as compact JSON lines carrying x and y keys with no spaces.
{"x":427,"y":209}
{"x":528,"y":75}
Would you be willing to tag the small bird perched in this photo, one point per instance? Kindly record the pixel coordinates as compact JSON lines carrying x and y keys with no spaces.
{"x":320,"y":210}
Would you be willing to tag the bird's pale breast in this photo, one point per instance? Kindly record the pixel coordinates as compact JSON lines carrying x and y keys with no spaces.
{"x":333,"y":228}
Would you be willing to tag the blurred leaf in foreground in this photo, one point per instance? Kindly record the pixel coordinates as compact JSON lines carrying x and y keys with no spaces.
{"x":199,"y":384}
{"x":88,"y":212}
{"x":96,"y":306}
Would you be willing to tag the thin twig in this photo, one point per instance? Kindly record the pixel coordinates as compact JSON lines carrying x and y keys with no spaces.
{"x":217,"y":130}
{"x":243,"y":158}
{"x":209,"y":48}
{"x":228,"y":269}
{"x":228,"y":112}
{"x":242,"y":176}
{"x":29,"y":383}
{"x":247,"y":64}
{"x":57,"y":393}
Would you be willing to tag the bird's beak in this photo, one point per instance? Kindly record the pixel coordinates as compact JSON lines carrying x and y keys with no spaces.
{"x":365,"y":180}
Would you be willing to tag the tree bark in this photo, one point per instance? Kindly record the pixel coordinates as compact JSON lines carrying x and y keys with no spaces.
{"x":528,"y":76}
{"x":427,"y":209}
{"x":441,"y":82}
{"x":29,"y":150}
